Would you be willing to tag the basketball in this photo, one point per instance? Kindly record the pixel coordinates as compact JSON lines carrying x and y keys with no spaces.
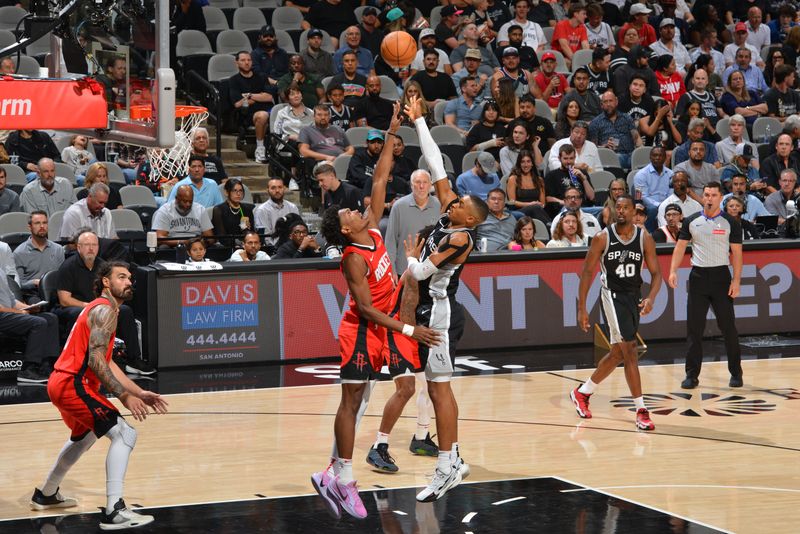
{"x":398,"y":49}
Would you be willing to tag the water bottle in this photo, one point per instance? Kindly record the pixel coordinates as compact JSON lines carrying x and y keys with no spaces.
{"x":767,"y":134}
{"x":180,"y":253}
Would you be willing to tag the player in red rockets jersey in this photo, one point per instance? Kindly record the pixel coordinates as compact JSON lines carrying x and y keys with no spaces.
{"x":74,"y":388}
{"x":363,"y":331}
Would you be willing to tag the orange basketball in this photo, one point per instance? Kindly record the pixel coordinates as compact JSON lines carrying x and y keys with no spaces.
{"x":398,"y":49}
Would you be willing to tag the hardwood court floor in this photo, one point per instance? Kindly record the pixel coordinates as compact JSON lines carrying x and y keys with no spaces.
{"x":721,"y":457}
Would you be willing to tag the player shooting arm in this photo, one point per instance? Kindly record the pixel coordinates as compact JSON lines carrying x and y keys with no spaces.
{"x":589,"y":266}
{"x":433,"y":155}
{"x":651,"y":260}
{"x":355,"y":271}
{"x":453,"y":249}
{"x":382,"y":170}
{"x":102,"y":324}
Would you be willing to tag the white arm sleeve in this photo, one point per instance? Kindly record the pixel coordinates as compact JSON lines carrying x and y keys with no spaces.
{"x":430,"y":150}
{"x":421,"y":271}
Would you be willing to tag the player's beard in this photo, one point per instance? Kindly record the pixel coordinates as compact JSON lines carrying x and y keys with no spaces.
{"x":122,"y":294}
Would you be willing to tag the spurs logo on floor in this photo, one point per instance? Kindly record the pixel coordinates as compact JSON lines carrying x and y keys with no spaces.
{"x":698,"y":404}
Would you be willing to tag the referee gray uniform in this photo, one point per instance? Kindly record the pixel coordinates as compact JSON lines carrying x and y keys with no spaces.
{"x":709,"y":282}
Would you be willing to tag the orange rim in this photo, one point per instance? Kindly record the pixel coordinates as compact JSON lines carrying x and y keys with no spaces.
{"x":145,"y":111}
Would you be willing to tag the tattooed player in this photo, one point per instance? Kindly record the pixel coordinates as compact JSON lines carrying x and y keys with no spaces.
{"x":74,"y":388}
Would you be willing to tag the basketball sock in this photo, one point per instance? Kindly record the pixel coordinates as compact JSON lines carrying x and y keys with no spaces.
{"x":423,"y":407}
{"x":382,"y":438}
{"x":361,"y":410}
{"x":331,"y":469}
{"x":587,"y":388}
{"x":639,"y":403}
{"x":346,"y":473}
{"x":70,"y":453}
{"x":123,"y":439}
{"x":443,"y":463}
{"x":259,"y":142}
{"x":454,"y":452}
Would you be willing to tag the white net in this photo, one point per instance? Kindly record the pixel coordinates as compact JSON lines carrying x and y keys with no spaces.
{"x":171,"y":162}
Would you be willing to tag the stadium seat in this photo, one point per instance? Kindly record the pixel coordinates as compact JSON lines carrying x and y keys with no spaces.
{"x":48,"y":287}
{"x":65,"y":170}
{"x":287,"y":18}
{"x":14,"y":174}
{"x":54,"y":225}
{"x":766,"y":126}
{"x":115,"y":174}
{"x":250,"y":20}
{"x":137,"y":195}
{"x":341,"y":164}
{"x":145,"y":214}
{"x":438,"y":112}
{"x":543,"y":110}
{"x":608,"y":157}
{"x":261,"y":4}
{"x":581,"y":58}
{"x":222,"y":66}
{"x":409,"y":135}
{"x":388,"y":88}
{"x":640,"y":157}
{"x":126,"y":219}
{"x":468,"y":161}
{"x":15,"y":221}
{"x":230,"y":42}
{"x":7,"y":38}
{"x":10,"y":17}
{"x":28,"y":66}
{"x":358,"y":135}
{"x":601,"y":179}
{"x":448,"y":164}
{"x":216,"y":21}
{"x":542,"y":232}
{"x":285,"y":41}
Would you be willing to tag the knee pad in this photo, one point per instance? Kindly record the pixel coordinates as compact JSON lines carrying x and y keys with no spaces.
{"x":124,"y":431}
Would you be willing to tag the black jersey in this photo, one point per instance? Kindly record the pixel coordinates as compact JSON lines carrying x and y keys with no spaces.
{"x":343,"y":120}
{"x":444,"y":282}
{"x":622,"y":261}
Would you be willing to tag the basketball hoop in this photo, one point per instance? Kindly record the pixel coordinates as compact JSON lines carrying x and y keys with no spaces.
{"x":171,"y":162}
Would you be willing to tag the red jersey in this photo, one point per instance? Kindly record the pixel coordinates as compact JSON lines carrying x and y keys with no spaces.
{"x":74,"y":359}
{"x":379,"y":274}
{"x":575,"y":36}
{"x":672,"y":88}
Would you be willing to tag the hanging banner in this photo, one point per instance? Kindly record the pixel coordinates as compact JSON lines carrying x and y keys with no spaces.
{"x":31,"y":104}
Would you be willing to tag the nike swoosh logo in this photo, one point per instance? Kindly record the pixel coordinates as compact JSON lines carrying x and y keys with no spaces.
{"x":614,"y":243}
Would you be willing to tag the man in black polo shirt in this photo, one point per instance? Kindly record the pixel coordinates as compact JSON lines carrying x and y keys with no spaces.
{"x":716,"y":243}
{"x":76,"y":278}
{"x":334,"y":191}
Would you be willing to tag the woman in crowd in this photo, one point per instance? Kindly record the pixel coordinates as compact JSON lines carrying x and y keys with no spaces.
{"x":233,"y":217}
{"x":566,"y":118}
{"x":525,"y":188}
{"x":734,"y":207}
{"x":289,"y":120}
{"x":775,"y":57}
{"x":630,"y":38}
{"x":616,"y":189}
{"x":695,"y":110}
{"x":669,"y":81}
{"x":525,"y":236}
{"x":737,"y":99}
{"x":568,"y":232}
{"x":791,"y":47}
{"x":98,"y":172}
{"x":488,"y":134}
{"x":507,"y":100}
{"x":413,"y":89}
{"x":300,"y":244}
{"x":518,"y":140}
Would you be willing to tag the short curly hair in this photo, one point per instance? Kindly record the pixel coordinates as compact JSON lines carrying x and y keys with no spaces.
{"x":331,"y":227}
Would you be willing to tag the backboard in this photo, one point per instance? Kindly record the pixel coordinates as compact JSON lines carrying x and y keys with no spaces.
{"x":124,"y":44}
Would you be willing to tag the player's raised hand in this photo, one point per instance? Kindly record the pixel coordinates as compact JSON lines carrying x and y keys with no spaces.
{"x":414,"y":108}
{"x":645,"y":307}
{"x":413,"y":246}
{"x":155,"y":401}
{"x":397,"y":118}
{"x":425,"y":335}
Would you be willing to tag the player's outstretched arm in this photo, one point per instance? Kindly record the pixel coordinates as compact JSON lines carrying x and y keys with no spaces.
{"x":587,"y":274}
{"x":432,"y":154}
{"x":355,"y":269}
{"x":382,"y":170}
{"x":651,"y":260}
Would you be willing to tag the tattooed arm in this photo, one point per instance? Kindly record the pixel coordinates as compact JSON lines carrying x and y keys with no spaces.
{"x":409,"y":300}
{"x":102,"y":324}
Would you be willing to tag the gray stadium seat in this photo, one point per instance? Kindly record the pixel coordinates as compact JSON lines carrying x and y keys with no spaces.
{"x":341,"y":164}
{"x":115,"y":174}
{"x":543,"y":110}
{"x":438,"y":112}
{"x":14,"y":222}
{"x":14,"y":174}
{"x":608,"y":157}
{"x":28,"y":67}
{"x":54,"y":225}
{"x":640,"y":157}
{"x":762,"y":125}
{"x":261,"y":4}
{"x":191,"y":43}
{"x":10,"y":16}
{"x":542,"y":232}
{"x":468,"y":161}
{"x":248,"y":19}
{"x":216,"y":21}
{"x":125,"y":219}
{"x":448,"y":164}
{"x":287,"y":18}
{"x":285,"y":41}
{"x":447,"y":135}
{"x":601,"y":179}
{"x":230,"y":42}
{"x":388,"y":88}
{"x":409,"y":135}
{"x":137,"y":195}
{"x":358,"y":135}
{"x":7,"y":38}
{"x":581,"y":58}
{"x":65,"y":170}
{"x":225,"y":4}
{"x":222,"y":66}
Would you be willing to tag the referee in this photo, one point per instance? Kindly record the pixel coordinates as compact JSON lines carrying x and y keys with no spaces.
{"x":713,"y":234}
